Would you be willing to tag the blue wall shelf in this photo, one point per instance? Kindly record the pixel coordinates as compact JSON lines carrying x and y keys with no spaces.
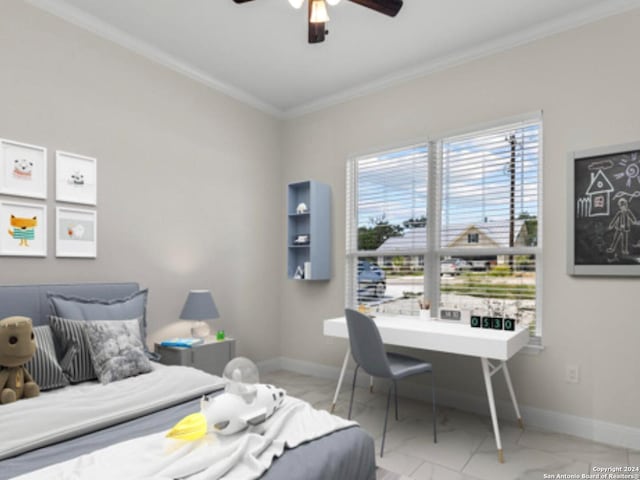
{"x":315,"y":225}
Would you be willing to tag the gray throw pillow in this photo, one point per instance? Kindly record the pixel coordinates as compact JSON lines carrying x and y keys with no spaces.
{"x":116,"y":349}
{"x":76,"y":356}
{"x":44,"y":367}
{"x":78,"y":308}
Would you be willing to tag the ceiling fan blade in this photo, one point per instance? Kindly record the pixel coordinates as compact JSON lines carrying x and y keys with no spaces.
{"x":242,"y":1}
{"x":388,"y":7}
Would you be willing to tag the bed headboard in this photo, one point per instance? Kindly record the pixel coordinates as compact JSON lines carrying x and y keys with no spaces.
{"x":31,"y":300}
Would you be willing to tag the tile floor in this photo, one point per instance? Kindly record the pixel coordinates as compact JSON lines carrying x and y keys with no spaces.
{"x":465,"y":448}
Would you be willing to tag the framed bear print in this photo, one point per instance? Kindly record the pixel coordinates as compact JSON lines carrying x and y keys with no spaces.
{"x":76,"y":178}
{"x":23,"y":169}
{"x":76,"y":232}
{"x":23,"y":229}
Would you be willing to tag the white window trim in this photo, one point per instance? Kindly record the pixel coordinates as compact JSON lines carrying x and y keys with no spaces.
{"x":432,"y":251}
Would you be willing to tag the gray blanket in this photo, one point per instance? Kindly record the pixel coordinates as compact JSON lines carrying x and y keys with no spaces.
{"x":347,"y":454}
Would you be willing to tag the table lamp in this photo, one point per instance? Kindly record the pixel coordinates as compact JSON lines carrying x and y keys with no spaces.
{"x":199,"y":307}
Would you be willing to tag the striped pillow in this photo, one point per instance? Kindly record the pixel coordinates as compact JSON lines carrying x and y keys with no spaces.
{"x":44,"y":367}
{"x":76,"y":361}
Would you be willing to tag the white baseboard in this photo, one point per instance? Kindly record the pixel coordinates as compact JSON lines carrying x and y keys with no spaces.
{"x":588,"y":428}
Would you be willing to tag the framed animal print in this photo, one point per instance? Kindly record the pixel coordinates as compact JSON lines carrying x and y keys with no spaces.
{"x":76,"y":178}
{"x":76,"y":232}
{"x":23,"y":229}
{"x":23,"y":169}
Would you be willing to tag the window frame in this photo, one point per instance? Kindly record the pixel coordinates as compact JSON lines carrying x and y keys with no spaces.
{"x":432,"y":251}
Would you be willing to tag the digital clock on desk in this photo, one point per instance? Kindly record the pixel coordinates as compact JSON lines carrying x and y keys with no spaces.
{"x":446,"y":314}
{"x":495,"y":323}
{"x":452,"y":315}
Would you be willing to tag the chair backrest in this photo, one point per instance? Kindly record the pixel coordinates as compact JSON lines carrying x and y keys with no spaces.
{"x":366,"y":344}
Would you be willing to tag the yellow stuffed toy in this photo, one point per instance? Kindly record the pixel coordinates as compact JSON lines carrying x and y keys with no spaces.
{"x":17,"y":347}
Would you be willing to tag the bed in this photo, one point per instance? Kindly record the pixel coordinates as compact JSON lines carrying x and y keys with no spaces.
{"x":64,"y":427}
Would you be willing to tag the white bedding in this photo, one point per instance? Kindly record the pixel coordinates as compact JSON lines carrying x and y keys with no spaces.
{"x":68,"y":412}
{"x":242,"y":456}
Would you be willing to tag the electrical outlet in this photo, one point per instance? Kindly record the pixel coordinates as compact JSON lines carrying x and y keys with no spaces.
{"x":572,"y":374}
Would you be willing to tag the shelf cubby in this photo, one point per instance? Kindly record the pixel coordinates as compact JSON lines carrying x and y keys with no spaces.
{"x":315,"y":222}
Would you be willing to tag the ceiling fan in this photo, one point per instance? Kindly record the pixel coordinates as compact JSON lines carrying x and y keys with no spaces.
{"x":318,"y":16}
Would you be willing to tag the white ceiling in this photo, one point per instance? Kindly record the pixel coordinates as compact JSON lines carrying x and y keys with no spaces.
{"x":258,"y":52}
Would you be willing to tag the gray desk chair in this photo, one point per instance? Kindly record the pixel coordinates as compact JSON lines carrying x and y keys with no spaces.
{"x":368,"y":352}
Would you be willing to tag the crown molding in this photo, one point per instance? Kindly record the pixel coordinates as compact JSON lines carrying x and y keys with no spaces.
{"x":102,"y":29}
{"x":88,"y":22}
{"x":546,"y":29}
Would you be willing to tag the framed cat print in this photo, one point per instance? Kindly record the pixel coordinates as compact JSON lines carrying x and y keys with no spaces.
{"x":76,"y":232}
{"x":23,"y":229}
{"x":76,"y":178}
{"x":23,"y":169}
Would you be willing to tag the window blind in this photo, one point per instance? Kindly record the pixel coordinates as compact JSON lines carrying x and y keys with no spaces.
{"x":489,"y":207}
{"x":454,"y":220}
{"x":386,"y":233}
{"x":490,"y":188}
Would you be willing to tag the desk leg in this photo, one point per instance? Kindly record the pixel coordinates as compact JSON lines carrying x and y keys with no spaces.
{"x":492,"y":406}
{"x":344,"y":369}
{"x":507,"y":378}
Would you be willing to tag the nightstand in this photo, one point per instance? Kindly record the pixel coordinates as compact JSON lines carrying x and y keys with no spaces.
{"x":210,"y":356}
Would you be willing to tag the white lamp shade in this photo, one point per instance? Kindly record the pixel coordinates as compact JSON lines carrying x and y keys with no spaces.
{"x":332,"y":2}
{"x":319,"y":12}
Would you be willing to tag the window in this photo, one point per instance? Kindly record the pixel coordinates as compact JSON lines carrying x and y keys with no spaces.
{"x":455,"y":220}
{"x":386,"y":238}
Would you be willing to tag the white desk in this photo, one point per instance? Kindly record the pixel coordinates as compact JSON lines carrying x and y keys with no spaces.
{"x":449,"y":338}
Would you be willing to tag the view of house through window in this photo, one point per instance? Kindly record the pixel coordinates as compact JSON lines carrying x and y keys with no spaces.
{"x":484,"y":204}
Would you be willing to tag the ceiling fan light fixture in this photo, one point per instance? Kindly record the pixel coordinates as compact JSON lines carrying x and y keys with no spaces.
{"x":333,"y":2}
{"x":296,"y":3}
{"x":319,"y":12}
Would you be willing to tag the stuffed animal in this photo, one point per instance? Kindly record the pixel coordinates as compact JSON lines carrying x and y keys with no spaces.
{"x":229,"y":413}
{"x":244,"y":403}
{"x":17,"y":347}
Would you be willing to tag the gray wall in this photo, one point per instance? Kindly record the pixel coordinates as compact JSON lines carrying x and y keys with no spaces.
{"x":586,"y":83}
{"x":189,"y":179}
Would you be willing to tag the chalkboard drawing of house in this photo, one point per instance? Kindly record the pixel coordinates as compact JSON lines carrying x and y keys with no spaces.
{"x":599,"y":194}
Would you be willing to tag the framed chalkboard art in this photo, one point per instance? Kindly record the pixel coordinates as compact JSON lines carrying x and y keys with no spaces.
{"x":604,"y":211}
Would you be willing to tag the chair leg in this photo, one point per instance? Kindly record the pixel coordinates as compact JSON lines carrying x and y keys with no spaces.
{"x":395,"y":389}
{"x":433,"y":401}
{"x":386,"y":416}
{"x":353,"y":389}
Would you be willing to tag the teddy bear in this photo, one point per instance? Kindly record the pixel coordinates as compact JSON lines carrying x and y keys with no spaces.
{"x":17,"y":347}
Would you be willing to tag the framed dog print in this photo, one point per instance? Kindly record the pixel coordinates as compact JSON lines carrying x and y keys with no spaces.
{"x":23,"y":169}
{"x":76,"y":178}
{"x":23,"y":229}
{"x":76,"y":232}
